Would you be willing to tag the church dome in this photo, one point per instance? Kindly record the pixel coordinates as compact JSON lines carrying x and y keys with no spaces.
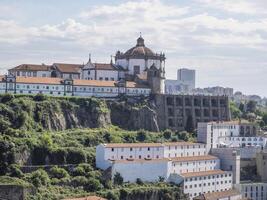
{"x":139,"y":50}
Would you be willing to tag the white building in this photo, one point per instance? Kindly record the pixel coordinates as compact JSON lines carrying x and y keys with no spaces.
{"x":254,"y":191}
{"x":184,"y":163}
{"x":30,"y":70}
{"x":139,"y":58}
{"x":229,"y":134}
{"x":70,"y":87}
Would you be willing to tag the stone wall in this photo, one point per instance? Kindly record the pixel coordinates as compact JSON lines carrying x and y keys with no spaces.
{"x":174,"y":110}
{"x":13,"y":192}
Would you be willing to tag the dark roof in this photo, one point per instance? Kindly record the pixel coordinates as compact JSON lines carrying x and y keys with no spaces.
{"x":140,"y":51}
{"x":218,"y":195}
{"x":107,"y":66}
{"x":31,"y":67}
{"x":68,"y":68}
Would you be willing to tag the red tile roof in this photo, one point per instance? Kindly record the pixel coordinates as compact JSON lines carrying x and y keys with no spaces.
{"x":68,"y":68}
{"x":38,"y":80}
{"x":194,"y":158}
{"x":31,"y":67}
{"x":203,"y":173}
{"x":110,"y":145}
{"x":218,"y":195}
{"x":99,"y":83}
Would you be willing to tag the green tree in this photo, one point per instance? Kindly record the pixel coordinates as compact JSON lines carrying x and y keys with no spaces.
{"x":39,"y":178}
{"x":93,"y":185}
{"x":264,"y":118}
{"x":235,"y":111}
{"x":167,"y":134}
{"x":141,"y":136}
{"x":190,"y":127}
{"x":57,"y":172}
{"x":118,"y":179}
{"x":251,"y":106}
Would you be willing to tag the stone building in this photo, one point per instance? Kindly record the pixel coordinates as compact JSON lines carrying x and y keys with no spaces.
{"x":174,"y":111}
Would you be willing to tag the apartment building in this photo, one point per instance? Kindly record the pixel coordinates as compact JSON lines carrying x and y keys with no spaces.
{"x":184,"y":163}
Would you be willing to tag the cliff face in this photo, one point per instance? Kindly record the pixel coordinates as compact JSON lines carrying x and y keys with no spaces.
{"x":33,"y":113}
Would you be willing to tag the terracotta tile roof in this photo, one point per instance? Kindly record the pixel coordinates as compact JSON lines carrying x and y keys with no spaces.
{"x":68,"y":68}
{"x":141,"y":160}
{"x":38,"y":80}
{"x":110,"y":145}
{"x":181,"y":143}
{"x":194,"y":158}
{"x":129,"y":145}
{"x":105,"y":66}
{"x":218,"y":195}
{"x":87,"y":198}
{"x":204,"y":173}
{"x":94,"y":82}
{"x":31,"y":67}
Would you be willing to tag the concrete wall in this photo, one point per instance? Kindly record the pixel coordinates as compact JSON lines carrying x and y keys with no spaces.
{"x":13,"y":192}
{"x":174,"y":110}
{"x":146,"y":170}
{"x":230,"y":161}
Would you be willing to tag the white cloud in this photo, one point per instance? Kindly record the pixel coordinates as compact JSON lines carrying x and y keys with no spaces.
{"x":189,"y":38}
{"x":251,"y":7}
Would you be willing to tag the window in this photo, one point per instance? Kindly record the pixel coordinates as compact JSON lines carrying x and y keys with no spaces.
{"x":106,"y":79}
{"x":112,"y":79}
{"x":112,"y":149}
{"x":100,"y":78}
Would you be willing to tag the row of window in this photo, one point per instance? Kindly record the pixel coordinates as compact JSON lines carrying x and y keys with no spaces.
{"x":195,"y":162}
{"x":207,"y":177}
{"x":207,"y":184}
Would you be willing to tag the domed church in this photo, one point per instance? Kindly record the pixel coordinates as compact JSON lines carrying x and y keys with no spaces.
{"x":140,"y":58}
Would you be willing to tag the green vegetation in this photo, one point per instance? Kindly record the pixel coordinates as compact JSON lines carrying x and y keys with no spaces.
{"x":249,"y":111}
{"x":64,"y":161}
{"x":72,"y":156}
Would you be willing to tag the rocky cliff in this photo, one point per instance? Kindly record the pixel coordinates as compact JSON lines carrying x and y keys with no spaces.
{"x":50,"y":113}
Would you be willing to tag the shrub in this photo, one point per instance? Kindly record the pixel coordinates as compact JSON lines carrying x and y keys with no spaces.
{"x":39,"y":178}
{"x":167,"y":134}
{"x":93,"y":185}
{"x":78,"y":181}
{"x":39,"y":97}
{"x":76,"y":156}
{"x":14,"y":171}
{"x":112,"y":196}
{"x":82,"y":170}
{"x":118,"y":179}
{"x":57,"y":156}
{"x":141,"y":136}
{"x":139,"y":181}
{"x":57,"y":172}
{"x":7,"y":97}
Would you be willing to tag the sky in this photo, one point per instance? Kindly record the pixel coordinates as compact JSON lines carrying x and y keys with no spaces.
{"x":223,"y":40}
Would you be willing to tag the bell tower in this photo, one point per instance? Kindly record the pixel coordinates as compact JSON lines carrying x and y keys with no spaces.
{"x":155,"y":78}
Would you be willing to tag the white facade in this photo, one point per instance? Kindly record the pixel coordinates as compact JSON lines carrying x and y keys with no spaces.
{"x":178,"y":162}
{"x":230,"y":134}
{"x":196,"y":184}
{"x":33,"y":73}
{"x":61,"y":87}
{"x":254,"y":191}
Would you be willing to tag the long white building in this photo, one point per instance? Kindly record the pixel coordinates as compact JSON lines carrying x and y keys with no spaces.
{"x":184,"y":163}
{"x":229,"y":134}
{"x":70,"y":87}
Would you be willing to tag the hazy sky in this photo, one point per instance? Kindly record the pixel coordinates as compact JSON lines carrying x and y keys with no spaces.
{"x":224,"y":40}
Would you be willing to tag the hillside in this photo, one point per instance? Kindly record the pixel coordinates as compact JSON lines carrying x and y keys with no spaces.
{"x":38,"y":153}
{"x":60,"y":113}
